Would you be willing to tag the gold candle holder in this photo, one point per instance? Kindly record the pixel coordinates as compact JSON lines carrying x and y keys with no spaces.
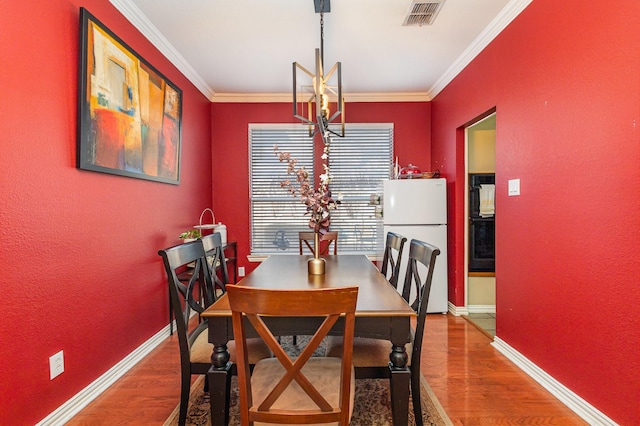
{"x":316,"y":265}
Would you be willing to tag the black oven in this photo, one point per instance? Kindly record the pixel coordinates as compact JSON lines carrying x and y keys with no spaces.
{"x":481,"y":229}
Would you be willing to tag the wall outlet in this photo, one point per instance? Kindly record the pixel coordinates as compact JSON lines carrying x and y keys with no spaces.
{"x":241,"y":272}
{"x":56,"y":365}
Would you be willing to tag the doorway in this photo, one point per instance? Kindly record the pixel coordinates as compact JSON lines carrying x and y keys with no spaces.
{"x":480,"y":282}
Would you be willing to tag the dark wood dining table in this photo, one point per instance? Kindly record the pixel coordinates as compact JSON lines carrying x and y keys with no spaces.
{"x":381,"y":313}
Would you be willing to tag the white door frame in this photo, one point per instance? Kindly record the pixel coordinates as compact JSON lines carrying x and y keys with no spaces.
{"x":468,"y":308}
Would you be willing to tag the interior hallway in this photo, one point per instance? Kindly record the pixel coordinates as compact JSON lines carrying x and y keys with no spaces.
{"x":475,"y":384}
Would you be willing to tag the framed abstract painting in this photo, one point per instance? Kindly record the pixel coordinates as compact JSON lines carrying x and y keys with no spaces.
{"x":129,"y":114}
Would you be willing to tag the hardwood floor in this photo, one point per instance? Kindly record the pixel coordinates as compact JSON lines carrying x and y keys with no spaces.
{"x":475,"y":384}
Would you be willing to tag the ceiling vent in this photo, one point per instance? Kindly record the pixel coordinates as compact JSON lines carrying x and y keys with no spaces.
{"x":422,"y":13}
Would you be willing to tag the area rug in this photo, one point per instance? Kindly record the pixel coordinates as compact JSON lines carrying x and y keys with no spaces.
{"x":372,"y":405}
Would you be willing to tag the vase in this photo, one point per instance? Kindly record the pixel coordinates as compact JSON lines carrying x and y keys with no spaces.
{"x":316,"y":265}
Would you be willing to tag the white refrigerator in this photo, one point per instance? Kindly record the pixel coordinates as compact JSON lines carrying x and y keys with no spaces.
{"x":417,"y":209}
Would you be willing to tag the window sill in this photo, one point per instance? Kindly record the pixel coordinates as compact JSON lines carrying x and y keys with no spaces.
{"x":257,"y":257}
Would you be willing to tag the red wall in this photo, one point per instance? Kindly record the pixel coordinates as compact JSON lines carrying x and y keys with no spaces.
{"x":564,"y":78}
{"x":79,"y":249}
{"x":229,"y":123}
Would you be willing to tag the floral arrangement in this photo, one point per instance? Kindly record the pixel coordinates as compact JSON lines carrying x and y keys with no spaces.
{"x":318,"y":201}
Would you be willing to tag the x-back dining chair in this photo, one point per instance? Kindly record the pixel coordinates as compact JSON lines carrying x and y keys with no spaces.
{"x":371,"y":356}
{"x":302,"y":390}
{"x":215,"y":256}
{"x":195,"y":294}
{"x":212,"y":244}
{"x":392,"y":257}
{"x":306,"y":238}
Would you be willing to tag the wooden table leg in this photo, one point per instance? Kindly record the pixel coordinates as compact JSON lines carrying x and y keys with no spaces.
{"x":219,"y":385}
{"x":400,"y":379}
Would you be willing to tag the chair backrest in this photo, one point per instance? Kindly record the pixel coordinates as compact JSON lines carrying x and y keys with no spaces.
{"x":212,"y":244}
{"x":420,"y":253}
{"x":196,"y":294}
{"x":255,"y":305}
{"x":392,"y":257}
{"x":307,"y":238}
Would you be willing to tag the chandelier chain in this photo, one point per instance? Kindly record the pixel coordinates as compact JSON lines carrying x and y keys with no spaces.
{"x":322,"y":31}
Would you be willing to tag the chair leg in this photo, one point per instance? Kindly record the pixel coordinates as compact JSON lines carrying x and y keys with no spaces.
{"x":170,"y":315}
{"x":295,"y":340}
{"x":185,"y":388}
{"x":415,"y":396}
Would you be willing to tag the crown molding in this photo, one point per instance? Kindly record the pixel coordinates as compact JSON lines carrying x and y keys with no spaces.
{"x":251,"y":97}
{"x":499,"y":23}
{"x":348,"y":97}
{"x":388,"y":97}
{"x":142,"y":23}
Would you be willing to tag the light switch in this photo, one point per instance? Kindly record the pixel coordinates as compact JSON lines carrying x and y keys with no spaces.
{"x":514,"y":187}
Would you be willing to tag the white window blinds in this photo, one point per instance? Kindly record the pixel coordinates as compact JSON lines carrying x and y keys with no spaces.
{"x":359,"y":162}
{"x":276,"y":216}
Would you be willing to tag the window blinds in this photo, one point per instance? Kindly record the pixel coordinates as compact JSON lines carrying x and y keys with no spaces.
{"x":359,"y":162}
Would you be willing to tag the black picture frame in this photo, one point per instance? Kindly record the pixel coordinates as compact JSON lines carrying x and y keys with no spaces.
{"x":129,"y":114}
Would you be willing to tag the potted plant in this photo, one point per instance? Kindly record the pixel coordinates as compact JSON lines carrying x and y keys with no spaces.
{"x":190,"y":235}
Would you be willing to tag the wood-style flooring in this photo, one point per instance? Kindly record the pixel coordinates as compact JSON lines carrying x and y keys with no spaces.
{"x":475,"y":384}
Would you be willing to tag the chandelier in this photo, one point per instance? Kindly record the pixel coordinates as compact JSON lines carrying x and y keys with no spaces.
{"x":323,"y":89}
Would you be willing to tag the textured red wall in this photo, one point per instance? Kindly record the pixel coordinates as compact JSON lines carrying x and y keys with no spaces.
{"x":564,"y":79}
{"x":230,"y":151}
{"x":79,"y":249}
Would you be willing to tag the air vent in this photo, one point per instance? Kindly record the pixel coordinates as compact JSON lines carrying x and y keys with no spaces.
{"x":422,"y":13}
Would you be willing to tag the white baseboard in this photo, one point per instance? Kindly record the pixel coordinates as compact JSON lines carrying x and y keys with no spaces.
{"x":457,"y":310}
{"x":582,"y":408}
{"x":80,"y":400}
{"x":472,"y":309}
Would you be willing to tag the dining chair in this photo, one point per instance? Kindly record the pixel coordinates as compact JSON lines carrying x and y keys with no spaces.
{"x":195,"y":295}
{"x":371,"y":356}
{"x":305,"y":389}
{"x":392,"y":257}
{"x":215,"y":256}
{"x":307,"y":238}
{"x":212,"y":244}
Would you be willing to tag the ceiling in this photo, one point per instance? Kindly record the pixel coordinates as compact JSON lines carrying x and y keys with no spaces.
{"x":244,"y":49}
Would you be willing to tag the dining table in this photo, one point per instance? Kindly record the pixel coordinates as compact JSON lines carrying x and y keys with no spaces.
{"x":381,"y":313}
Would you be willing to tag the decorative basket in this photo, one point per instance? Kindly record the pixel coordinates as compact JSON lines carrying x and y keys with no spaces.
{"x":213,"y":226}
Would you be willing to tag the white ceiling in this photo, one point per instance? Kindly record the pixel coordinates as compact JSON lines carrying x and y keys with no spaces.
{"x":245,"y":48}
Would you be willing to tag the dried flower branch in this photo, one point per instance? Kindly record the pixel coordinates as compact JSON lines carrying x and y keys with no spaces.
{"x":318,"y":201}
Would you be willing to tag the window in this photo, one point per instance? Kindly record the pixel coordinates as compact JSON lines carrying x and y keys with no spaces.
{"x":276,"y":216}
{"x":359,"y":162}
